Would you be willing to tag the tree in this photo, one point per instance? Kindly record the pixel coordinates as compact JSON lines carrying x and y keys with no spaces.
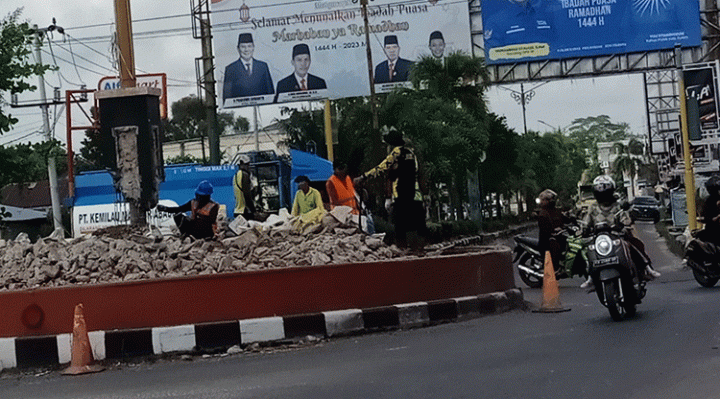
{"x":446,"y":118}
{"x":16,"y":66}
{"x":587,"y":132}
{"x":189,"y":121}
{"x":628,"y":161}
{"x":303,"y":128}
{"x":24,"y":163}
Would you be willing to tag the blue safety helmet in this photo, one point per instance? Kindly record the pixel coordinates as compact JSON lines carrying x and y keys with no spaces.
{"x":204,"y":188}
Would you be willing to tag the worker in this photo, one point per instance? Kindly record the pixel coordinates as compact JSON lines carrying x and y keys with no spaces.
{"x":406,"y":206}
{"x":307,"y":206}
{"x":340,"y":188}
{"x":202,"y":222}
{"x":242,"y":188}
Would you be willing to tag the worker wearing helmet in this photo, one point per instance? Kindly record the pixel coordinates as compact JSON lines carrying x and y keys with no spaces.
{"x":403,"y":170}
{"x":608,"y":210}
{"x":202,"y":222}
{"x":242,"y":188}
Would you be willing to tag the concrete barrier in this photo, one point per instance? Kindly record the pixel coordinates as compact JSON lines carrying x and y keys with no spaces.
{"x":249,"y":295}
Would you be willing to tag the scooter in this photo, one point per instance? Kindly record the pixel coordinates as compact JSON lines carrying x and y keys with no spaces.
{"x":617,"y":282}
{"x":703,"y":258}
{"x":531,"y":263}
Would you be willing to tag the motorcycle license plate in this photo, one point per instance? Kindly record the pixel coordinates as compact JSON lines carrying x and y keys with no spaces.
{"x":605,"y":261}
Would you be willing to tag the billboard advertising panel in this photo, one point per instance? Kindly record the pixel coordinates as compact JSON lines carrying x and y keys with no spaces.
{"x":531,"y":30}
{"x":267,"y":51}
{"x":700,"y":88}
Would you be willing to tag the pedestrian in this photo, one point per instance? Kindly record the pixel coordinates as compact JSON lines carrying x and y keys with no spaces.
{"x":406,"y":206}
{"x":242,"y":188}
{"x":307,"y":206}
{"x":202,"y":222}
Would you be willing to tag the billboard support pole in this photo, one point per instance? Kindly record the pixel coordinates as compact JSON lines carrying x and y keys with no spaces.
{"x":687,"y":158}
{"x":328,"y":131}
{"x":373,"y":96}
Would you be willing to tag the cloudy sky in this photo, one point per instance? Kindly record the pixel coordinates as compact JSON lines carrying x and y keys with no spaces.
{"x":164,"y":44}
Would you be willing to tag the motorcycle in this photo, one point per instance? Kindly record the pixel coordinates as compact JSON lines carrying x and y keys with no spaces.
{"x":531,"y":263}
{"x":703,"y":258}
{"x":618,"y":284}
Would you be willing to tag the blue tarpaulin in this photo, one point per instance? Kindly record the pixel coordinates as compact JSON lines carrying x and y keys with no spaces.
{"x":94,"y":188}
{"x":310,"y":165}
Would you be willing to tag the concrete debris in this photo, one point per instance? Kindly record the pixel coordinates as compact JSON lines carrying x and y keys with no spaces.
{"x":123,"y":253}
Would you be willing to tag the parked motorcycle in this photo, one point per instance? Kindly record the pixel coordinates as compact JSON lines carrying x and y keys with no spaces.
{"x":614,"y":274}
{"x":703,"y":258}
{"x":531,"y":263}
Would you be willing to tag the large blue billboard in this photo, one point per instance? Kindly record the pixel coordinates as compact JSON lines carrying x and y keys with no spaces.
{"x":532,"y":30}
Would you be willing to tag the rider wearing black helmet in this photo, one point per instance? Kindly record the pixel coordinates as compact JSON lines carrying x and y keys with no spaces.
{"x":711,"y":211}
{"x":610,"y":211}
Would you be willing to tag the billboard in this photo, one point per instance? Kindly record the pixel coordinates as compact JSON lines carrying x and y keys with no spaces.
{"x":532,"y":30}
{"x":273,"y":52}
{"x":156,"y":80}
{"x":701,"y":95}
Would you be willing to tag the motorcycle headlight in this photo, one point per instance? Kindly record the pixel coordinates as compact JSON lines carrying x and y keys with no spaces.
{"x":603,"y":245}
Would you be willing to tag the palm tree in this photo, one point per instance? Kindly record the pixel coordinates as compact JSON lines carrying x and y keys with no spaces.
{"x":628,"y":161}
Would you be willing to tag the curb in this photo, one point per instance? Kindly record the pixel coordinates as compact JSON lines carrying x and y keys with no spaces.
{"x":22,"y":352}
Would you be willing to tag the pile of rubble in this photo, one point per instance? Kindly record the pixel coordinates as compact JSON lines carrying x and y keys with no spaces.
{"x":121,"y":254}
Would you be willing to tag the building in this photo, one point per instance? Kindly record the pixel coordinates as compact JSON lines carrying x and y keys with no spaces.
{"x":267,"y":139}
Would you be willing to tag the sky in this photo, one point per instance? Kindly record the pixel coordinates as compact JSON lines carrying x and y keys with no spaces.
{"x":163,"y":43}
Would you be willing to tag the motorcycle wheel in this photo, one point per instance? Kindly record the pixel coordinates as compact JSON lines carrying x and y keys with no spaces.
{"x":704,"y":280}
{"x":612,"y":297}
{"x":527,"y":278}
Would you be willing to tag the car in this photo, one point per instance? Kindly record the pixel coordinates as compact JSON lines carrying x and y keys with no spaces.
{"x":647,"y":208}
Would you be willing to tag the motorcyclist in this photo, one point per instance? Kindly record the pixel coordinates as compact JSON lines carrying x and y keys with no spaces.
{"x":711,"y":212}
{"x":551,"y":223}
{"x":607,"y":209}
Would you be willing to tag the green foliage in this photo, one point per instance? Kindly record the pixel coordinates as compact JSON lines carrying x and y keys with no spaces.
{"x":16,"y":66}
{"x":181,"y":159}
{"x":553,"y":161}
{"x":189,"y":121}
{"x":626,"y":163}
{"x":302,"y":128}
{"x":24,"y":163}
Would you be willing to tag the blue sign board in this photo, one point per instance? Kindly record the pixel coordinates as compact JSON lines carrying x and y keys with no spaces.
{"x":532,"y":30}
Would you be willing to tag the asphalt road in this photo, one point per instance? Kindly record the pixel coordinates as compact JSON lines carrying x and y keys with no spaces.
{"x":671,"y":349}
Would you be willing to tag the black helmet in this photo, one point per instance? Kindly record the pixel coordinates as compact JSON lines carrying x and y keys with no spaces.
{"x":392,"y":136}
{"x":713,"y":184}
{"x":603,"y":188}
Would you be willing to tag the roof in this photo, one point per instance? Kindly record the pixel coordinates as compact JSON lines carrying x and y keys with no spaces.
{"x":32,"y":195}
{"x":21,"y":214}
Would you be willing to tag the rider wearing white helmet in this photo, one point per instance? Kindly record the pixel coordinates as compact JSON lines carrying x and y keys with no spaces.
{"x":609,"y":210}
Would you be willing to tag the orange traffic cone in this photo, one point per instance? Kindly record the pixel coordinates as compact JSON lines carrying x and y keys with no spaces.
{"x":82,"y":358}
{"x":551,"y":292}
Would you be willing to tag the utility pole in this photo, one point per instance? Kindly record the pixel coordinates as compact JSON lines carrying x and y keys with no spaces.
{"x":687,"y":157}
{"x":52,"y":170}
{"x":202,"y":14}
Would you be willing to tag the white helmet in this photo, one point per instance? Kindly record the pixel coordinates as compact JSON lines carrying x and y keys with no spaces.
{"x":243,"y":159}
{"x":603,"y":188}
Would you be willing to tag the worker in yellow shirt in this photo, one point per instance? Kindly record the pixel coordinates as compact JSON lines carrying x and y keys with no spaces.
{"x":307,"y":206}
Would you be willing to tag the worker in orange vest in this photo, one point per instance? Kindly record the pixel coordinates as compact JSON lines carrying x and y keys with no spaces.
{"x":202,"y":222}
{"x":340,"y":188}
